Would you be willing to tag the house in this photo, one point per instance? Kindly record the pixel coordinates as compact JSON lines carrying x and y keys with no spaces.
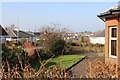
{"x":15,"y":34}
{"x":3,"y":35}
{"x":98,"y":38}
{"x":111,"y":18}
{"x":36,"y":36}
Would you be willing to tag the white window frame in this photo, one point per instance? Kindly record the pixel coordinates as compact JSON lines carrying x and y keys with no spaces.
{"x":112,"y":38}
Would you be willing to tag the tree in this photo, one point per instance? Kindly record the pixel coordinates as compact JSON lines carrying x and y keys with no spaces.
{"x":52,"y":39}
{"x":85,"y":39}
{"x":82,"y":39}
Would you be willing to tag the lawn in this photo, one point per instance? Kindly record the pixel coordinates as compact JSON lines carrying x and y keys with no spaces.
{"x":65,"y":61}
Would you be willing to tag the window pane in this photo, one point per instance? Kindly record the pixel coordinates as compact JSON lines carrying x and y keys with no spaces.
{"x":113,"y":47}
{"x":113,"y":32}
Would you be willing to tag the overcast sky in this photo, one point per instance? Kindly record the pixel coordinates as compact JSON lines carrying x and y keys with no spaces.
{"x":76,"y":16}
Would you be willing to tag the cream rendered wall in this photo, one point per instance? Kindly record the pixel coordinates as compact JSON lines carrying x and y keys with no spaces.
{"x":99,"y":40}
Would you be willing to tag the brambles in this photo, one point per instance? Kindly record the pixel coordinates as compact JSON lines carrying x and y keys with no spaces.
{"x":29,"y":72}
{"x":98,"y":69}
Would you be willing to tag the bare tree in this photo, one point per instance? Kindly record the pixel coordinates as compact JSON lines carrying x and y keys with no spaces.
{"x":52,"y":39}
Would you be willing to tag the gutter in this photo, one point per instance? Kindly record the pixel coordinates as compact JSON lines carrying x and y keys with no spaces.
{"x":109,"y":14}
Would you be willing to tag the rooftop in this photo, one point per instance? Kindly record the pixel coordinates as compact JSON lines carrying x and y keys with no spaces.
{"x":100,"y":34}
{"x":23,"y":34}
{"x":115,"y":10}
{"x":13,"y":33}
{"x":2,"y":31}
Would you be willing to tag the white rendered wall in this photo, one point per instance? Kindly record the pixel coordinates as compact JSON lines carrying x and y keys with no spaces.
{"x":99,"y":40}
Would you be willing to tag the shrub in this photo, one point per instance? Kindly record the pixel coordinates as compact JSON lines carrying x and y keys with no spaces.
{"x":58,"y":47}
{"x":68,"y":48}
{"x":14,"y":55}
{"x":29,"y":48}
{"x":16,"y":64}
{"x":28,"y":72}
{"x":98,"y":69}
{"x":52,"y":40}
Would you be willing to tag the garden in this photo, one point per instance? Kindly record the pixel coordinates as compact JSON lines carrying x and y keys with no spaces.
{"x":54,"y":60}
{"x":84,"y":45}
{"x":17,"y":62}
{"x":21,"y":59}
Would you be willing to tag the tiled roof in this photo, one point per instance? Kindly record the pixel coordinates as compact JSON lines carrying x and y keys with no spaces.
{"x":11,"y":33}
{"x":22,"y":34}
{"x":111,"y":11}
{"x":2,"y":31}
{"x":37,"y":33}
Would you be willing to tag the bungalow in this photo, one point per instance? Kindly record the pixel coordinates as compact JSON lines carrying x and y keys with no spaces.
{"x":98,"y":38}
{"x":111,"y":18}
{"x":36,"y":36}
{"x":15,"y":34}
{"x":3,"y":35}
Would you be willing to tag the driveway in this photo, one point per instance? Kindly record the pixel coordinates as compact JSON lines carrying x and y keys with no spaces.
{"x":79,"y":70}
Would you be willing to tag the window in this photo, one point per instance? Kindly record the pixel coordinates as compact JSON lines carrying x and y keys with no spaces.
{"x":113,"y":38}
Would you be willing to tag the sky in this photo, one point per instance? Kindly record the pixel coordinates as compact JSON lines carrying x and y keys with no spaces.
{"x":75,"y":16}
{"x":59,"y":0}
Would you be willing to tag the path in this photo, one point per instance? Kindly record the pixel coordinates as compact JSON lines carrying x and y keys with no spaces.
{"x":80,"y":68}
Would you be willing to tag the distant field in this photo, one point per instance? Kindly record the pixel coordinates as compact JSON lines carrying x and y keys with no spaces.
{"x":65,"y":61}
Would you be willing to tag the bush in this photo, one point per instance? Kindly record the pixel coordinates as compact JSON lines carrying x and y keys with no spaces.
{"x":13,"y":55}
{"x":85,"y":40}
{"x":58,"y":47}
{"x":16,"y":65}
{"x":52,"y":40}
{"x":98,"y":69}
{"x":27,"y":71}
{"x":68,"y":48}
